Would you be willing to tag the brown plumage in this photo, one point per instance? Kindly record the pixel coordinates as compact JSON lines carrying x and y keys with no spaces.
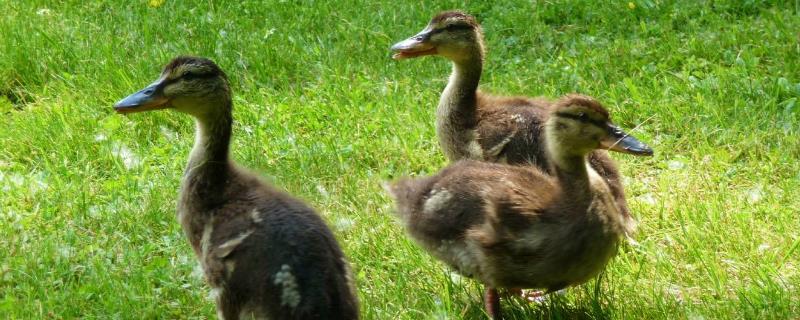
{"x":265,"y":254}
{"x":474,"y":125}
{"x":518,"y":226}
{"x":455,"y":14}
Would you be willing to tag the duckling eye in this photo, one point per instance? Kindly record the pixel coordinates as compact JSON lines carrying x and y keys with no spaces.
{"x":582,"y":116}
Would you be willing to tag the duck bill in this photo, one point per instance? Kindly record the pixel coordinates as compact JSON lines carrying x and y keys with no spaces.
{"x":620,"y":141}
{"x":149,"y":98}
{"x":416,"y":46}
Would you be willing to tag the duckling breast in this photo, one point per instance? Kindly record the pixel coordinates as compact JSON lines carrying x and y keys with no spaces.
{"x":544,"y":261}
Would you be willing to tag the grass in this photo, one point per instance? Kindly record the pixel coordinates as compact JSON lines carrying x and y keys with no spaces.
{"x":88,"y":196}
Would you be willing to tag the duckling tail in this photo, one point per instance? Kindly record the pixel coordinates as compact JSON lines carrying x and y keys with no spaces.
{"x":401,"y":191}
{"x":407,"y":194}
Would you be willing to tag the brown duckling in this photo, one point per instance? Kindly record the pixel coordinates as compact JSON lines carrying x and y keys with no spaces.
{"x":265,"y":254}
{"x":517,"y":226}
{"x":473,"y":125}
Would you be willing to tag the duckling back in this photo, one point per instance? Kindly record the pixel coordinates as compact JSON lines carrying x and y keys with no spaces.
{"x":420,"y":203}
{"x":508,"y":226}
{"x":268,"y":255}
{"x":459,"y":212}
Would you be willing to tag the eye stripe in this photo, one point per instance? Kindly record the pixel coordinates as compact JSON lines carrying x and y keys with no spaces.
{"x":458,"y":27}
{"x":452,"y":27}
{"x":192,"y":75}
{"x":601,"y":124}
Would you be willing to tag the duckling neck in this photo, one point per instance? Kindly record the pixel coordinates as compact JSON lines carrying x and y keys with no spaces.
{"x":456,"y":113}
{"x":583,"y":187}
{"x":209,"y":166}
{"x":572,"y":172}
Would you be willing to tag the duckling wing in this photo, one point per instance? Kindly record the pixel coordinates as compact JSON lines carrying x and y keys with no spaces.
{"x":469,"y":208}
{"x":509,"y":130}
{"x":494,"y":134}
{"x":517,"y":199}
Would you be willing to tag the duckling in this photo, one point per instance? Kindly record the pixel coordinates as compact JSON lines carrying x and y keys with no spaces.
{"x":473,"y":125}
{"x":265,"y":254}
{"x":519,"y":226}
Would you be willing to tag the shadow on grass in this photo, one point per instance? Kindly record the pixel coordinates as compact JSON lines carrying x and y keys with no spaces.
{"x":555,"y":306}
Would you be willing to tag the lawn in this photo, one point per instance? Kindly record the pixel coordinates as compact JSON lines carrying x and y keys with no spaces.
{"x":87,"y":208}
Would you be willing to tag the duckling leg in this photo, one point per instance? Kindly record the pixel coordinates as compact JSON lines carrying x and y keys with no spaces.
{"x":491,"y":301}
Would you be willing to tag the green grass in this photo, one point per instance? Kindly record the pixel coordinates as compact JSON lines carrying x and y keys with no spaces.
{"x":88,"y":196}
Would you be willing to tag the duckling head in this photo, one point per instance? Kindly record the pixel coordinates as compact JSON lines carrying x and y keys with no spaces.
{"x":191,"y":85}
{"x":579,"y":124}
{"x":452,"y":34}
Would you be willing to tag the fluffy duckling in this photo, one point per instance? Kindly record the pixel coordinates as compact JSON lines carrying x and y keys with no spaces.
{"x":474,"y":125}
{"x":265,"y":254}
{"x":517,"y":226}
